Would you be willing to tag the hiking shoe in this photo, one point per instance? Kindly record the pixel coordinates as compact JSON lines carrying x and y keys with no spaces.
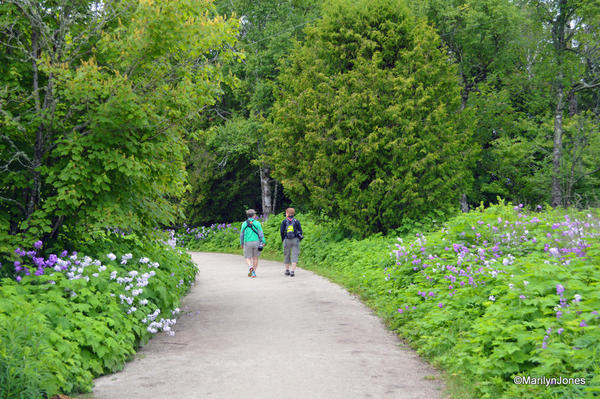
{"x":292,"y":274}
{"x":250,"y":272}
{"x":253,"y":274}
{"x":287,"y":272}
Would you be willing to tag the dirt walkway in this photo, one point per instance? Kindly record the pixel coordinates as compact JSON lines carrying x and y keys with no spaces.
{"x":271,"y":337}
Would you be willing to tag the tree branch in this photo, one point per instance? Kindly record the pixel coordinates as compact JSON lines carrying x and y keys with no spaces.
{"x":12,"y":201}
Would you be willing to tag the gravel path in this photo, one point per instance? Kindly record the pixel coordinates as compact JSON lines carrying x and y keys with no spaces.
{"x":271,"y":337}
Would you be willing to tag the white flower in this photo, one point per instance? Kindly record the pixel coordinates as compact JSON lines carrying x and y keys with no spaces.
{"x":133,"y":273}
{"x":111,"y":256}
{"x":554,"y":252}
{"x":511,"y":286}
{"x":492,"y":298}
{"x":95,"y":275}
{"x":577,"y":298}
{"x":525,"y":283}
{"x":144,"y":302}
{"x":131,"y":310}
{"x":144,"y":260}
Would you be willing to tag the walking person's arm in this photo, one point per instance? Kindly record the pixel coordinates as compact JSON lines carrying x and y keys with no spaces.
{"x":282,"y":230}
{"x":300,"y":234}
{"x":261,"y":235}
{"x":242,"y":235}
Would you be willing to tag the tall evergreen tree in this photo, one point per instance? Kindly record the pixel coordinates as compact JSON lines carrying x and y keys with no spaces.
{"x":365,"y":126}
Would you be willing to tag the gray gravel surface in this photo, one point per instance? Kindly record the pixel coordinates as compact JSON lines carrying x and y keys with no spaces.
{"x":271,"y":337}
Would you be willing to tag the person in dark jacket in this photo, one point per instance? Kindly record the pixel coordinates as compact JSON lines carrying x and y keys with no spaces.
{"x":291,"y":234}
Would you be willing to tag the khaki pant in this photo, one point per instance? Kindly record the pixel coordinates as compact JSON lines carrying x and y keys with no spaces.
{"x":251,"y":249}
{"x":291,"y":250}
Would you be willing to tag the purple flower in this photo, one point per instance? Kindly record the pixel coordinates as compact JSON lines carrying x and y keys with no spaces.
{"x":559,"y":289}
{"x":583,"y":324}
{"x":431,"y":294}
{"x":440,"y":305}
{"x":560,"y":331}
{"x":63,"y":254}
{"x":38,"y":244}
{"x":400,"y":310}
{"x":558,"y":314}
{"x":522,"y":297}
{"x":19,"y":278}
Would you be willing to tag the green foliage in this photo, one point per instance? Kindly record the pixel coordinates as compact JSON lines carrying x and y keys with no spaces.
{"x":366,"y":127}
{"x":60,"y":330}
{"x":223,"y":180}
{"x":223,"y":168}
{"x":100,"y":136}
{"x":484,"y":332}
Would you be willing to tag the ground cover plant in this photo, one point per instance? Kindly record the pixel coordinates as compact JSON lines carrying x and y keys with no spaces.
{"x":492,"y":295}
{"x":67,"y":317}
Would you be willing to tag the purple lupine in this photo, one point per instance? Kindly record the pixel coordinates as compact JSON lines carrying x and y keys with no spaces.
{"x":559,"y":289}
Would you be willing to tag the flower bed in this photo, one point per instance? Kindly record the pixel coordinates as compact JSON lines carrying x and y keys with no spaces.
{"x":67,"y":318}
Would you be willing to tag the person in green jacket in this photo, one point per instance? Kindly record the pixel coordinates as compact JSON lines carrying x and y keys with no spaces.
{"x":252,"y":240}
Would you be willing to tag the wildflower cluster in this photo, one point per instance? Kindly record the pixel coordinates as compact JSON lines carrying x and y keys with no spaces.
{"x":514,"y":284}
{"x":88,"y":314}
{"x":192,"y":238}
{"x":130,"y":284}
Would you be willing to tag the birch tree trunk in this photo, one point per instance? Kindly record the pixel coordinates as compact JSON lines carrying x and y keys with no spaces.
{"x":556,"y":192}
{"x":265,"y":191}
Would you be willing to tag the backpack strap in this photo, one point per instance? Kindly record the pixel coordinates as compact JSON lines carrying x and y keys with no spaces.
{"x":252,"y":227}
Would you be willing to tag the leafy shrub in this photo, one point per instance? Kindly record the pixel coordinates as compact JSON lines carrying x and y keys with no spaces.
{"x":67,"y":318}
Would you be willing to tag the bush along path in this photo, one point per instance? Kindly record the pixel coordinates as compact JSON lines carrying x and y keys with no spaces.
{"x":494,"y":296}
{"x":68,"y":317}
{"x":271,"y":337}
